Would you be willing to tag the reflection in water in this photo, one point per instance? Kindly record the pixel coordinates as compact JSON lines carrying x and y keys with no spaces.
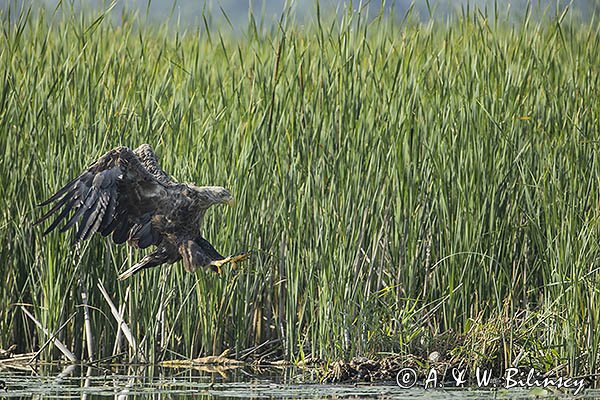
{"x":143,"y":382}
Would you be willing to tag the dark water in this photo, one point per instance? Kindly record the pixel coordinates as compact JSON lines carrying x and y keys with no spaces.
{"x":219,"y":383}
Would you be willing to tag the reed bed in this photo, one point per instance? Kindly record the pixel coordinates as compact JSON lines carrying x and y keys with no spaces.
{"x":399,"y":182}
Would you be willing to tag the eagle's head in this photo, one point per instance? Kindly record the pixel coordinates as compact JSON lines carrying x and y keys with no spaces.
{"x":210,"y":195}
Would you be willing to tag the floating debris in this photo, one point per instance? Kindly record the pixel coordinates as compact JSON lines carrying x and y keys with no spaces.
{"x":221,"y":359}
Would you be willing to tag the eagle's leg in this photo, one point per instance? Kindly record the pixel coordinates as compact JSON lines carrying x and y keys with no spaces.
{"x":200,"y":253}
{"x":217,"y":264}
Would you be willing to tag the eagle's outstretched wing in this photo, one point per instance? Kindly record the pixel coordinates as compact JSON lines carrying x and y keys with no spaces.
{"x":117,"y":194}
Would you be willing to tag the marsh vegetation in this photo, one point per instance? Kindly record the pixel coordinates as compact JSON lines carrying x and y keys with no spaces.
{"x":406,"y":187}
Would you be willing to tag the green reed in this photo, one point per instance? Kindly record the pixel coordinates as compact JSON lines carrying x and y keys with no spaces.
{"x":396,"y":180}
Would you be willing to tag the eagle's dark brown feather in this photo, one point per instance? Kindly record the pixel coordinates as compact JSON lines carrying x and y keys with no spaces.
{"x":126,"y":193}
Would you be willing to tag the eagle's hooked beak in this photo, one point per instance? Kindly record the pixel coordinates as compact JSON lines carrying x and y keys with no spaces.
{"x":230,"y":202}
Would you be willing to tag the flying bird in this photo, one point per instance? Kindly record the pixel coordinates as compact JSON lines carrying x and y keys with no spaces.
{"x":127,"y":195}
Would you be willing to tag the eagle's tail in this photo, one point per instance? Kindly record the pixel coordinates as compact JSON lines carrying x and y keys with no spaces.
{"x":157,"y":257}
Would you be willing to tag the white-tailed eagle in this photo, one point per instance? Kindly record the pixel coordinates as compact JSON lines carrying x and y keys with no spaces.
{"x":126,"y":193}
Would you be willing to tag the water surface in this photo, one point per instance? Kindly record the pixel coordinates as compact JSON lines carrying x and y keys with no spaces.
{"x":153,"y":382}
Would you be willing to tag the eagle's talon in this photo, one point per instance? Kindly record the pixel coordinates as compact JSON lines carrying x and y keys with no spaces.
{"x":233,"y":260}
{"x":240,"y":258}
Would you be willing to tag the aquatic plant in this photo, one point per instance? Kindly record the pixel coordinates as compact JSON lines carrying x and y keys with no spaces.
{"x":395,"y":179}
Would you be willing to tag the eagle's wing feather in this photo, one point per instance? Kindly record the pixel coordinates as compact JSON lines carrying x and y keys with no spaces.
{"x":114,"y":195}
{"x":148,"y":159}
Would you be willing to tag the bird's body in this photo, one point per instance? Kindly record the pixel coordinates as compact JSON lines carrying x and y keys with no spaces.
{"x":127,"y":195}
